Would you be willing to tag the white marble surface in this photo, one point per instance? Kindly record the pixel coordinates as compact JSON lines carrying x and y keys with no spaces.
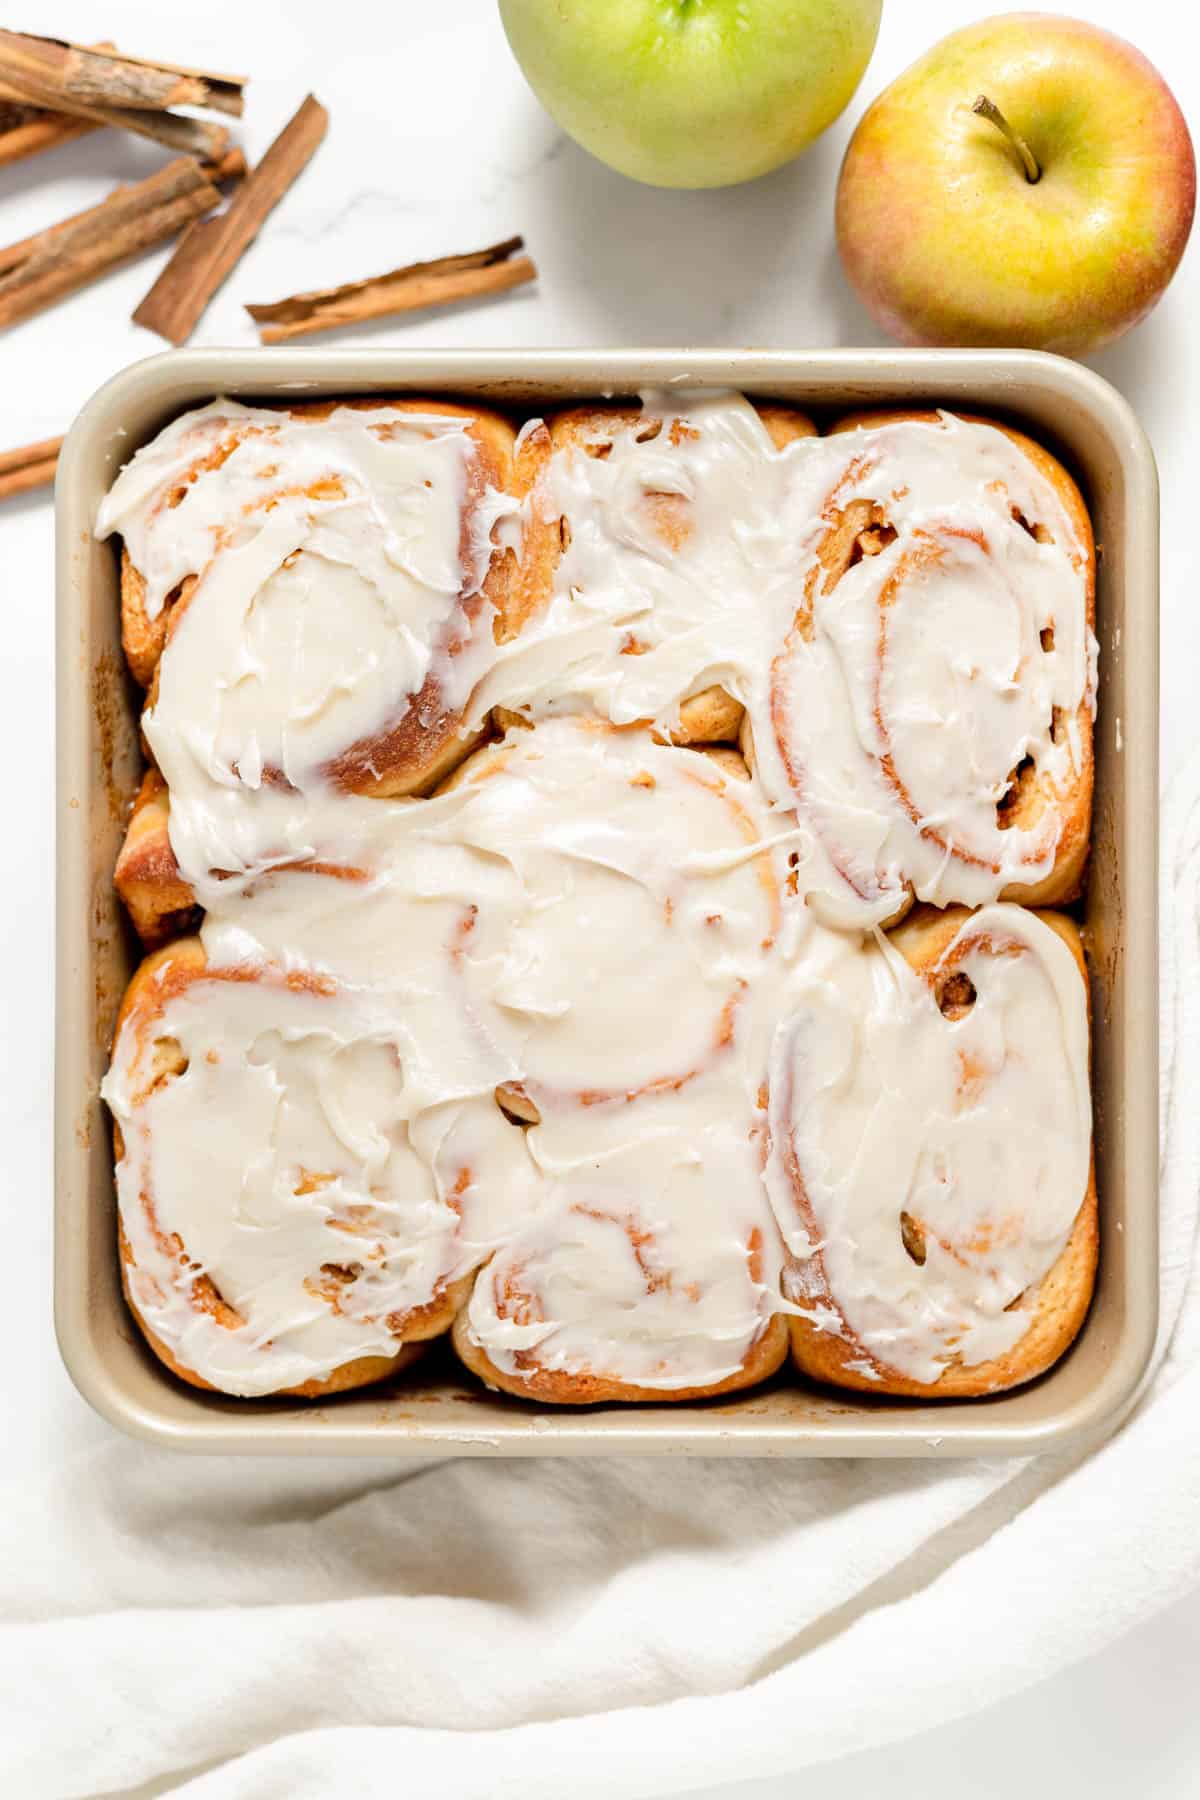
{"x":436,"y":145}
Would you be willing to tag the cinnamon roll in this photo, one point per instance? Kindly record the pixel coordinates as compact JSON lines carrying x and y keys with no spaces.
{"x":667,"y":862}
{"x":310,"y":596}
{"x":649,"y":1270}
{"x":632,"y":574}
{"x":931,"y":707}
{"x":287,"y":1225}
{"x":930,"y":1163}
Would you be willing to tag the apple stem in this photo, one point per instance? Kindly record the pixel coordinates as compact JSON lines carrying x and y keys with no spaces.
{"x":987,"y":109}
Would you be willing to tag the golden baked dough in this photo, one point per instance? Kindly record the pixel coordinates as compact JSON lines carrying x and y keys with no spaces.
{"x":147,"y":876}
{"x":554,"y":1389}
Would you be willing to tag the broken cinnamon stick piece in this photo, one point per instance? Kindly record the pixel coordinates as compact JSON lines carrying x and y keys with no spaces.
{"x":27,"y":130}
{"x":31,"y":467}
{"x":210,"y":248}
{"x":437,"y":283}
{"x":53,"y":72}
{"x":34,"y":71}
{"x":54,"y":263}
{"x":230,"y":167}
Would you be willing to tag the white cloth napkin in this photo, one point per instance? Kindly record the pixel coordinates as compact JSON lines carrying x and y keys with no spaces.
{"x":534,"y":1629}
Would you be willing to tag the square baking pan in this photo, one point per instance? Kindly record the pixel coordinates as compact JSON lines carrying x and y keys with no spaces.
{"x":438,"y":1408}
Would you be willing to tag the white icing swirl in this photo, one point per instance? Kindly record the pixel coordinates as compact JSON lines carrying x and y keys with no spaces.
{"x":650,"y":1261}
{"x":333,"y":556}
{"x":592,"y":921}
{"x":971,"y":1133}
{"x":283,"y":1165}
{"x":930,"y":673}
{"x":453,"y":967}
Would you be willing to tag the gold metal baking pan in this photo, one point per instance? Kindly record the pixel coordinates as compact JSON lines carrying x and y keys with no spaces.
{"x":440,"y":1410}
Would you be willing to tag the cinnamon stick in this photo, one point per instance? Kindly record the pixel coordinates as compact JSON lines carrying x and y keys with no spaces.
{"x":54,"y":263}
{"x":31,"y":467}
{"x":27,"y":130}
{"x":106,"y":89}
{"x":54,"y":72}
{"x":210,"y":248}
{"x":421,"y":284}
{"x":232,"y":167}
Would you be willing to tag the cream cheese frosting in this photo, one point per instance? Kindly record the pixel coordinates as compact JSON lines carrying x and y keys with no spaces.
{"x":380,"y":1014}
{"x":281,"y":1159}
{"x":730,"y":1084}
{"x":926,"y":1169}
{"x":894,"y":718}
{"x":651,"y":1260}
{"x":333,"y":556}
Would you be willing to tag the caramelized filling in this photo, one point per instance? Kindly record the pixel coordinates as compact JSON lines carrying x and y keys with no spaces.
{"x":912,"y":1236}
{"x":1019,"y":784}
{"x":956,"y":996}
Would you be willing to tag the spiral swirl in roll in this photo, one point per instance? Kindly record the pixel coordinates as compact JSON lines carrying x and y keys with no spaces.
{"x":649,"y":1271}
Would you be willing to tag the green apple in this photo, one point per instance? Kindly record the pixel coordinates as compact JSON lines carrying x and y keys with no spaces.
{"x":693,"y":93}
{"x":1029,"y":181}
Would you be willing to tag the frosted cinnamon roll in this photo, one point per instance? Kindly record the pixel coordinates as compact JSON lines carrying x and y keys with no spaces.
{"x":630,"y":915}
{"x":650,"y":1270}
{"x":310,"y":596}
{"x":931,"y":1162}
{"x":635,"y":575}
{"x":286,"y":1224}
{"x":931,"y":708}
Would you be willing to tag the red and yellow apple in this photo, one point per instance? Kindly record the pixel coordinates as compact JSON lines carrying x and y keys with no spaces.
{"x":692,"y":93}
{"x":1030,"y":181}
